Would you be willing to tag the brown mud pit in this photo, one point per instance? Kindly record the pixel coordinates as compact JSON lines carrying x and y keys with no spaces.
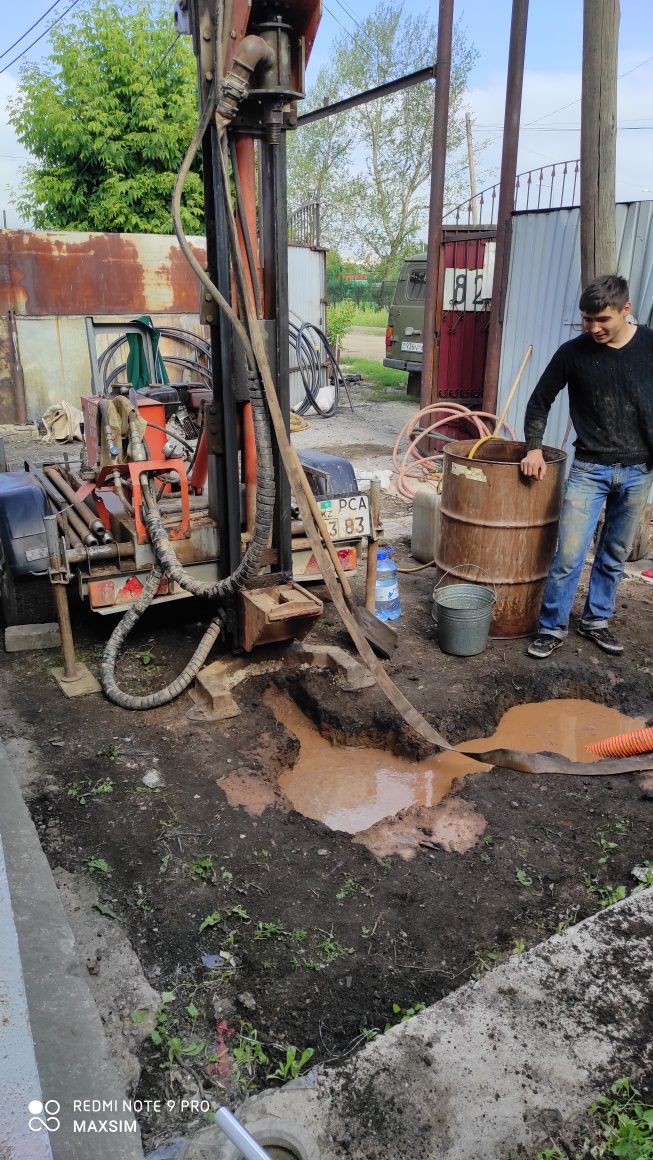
{"x":324,"y":940}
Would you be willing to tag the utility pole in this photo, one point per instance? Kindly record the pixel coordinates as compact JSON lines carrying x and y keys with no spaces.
{"x":472,"y":168}
{"x":514,"y":84}
{"x":434,"y":265}
{"x":598,"y":139}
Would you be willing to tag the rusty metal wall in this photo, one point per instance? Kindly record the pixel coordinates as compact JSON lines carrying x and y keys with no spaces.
{"x":53,"y":281}
{"x":542,"y":300}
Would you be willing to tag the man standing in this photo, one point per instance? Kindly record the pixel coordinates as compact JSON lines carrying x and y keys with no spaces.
{"x":609,"y":373}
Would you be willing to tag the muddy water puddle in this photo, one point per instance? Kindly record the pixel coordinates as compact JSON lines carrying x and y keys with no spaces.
{"x":357,"y":789}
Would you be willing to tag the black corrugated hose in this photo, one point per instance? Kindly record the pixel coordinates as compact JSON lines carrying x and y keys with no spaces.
{"x":167,"y":562}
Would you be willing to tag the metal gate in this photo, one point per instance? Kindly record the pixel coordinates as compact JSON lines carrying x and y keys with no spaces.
{"x":468,"y":265}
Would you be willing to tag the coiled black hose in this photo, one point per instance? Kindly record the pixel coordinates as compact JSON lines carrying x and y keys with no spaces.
{"x":117,"y":639}
{"x":309,"y":361}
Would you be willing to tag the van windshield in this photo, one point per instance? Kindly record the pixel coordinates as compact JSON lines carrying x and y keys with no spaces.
{"x":416,"y":286}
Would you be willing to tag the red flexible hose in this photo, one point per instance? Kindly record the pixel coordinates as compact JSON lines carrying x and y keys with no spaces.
{"x":412,"y":463}
{"x":624,"y":744}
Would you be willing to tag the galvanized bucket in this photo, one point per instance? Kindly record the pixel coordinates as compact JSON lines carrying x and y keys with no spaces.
{"x":462,"y":613}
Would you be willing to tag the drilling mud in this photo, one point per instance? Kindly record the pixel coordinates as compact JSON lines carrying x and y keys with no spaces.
{"x":391,"y":803}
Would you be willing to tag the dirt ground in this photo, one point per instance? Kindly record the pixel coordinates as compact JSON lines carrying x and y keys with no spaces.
{"x":317,"y":943}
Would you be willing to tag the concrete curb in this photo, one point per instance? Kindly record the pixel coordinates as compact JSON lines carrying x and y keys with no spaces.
{"x":498,"y":1064}
{"x":68,"y":1040}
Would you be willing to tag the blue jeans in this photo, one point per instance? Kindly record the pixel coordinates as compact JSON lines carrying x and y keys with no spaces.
{"x":624,"y":491}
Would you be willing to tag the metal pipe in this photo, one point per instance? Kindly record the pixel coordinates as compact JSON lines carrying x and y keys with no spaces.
{"x":85,"y":535}
{"x":512,"y":114}
{"x":434,"y":262}
{"x":93,"y":523}
{"x":57,"y":573}
{"x":123,"y":550}
{"x":384,"y":90}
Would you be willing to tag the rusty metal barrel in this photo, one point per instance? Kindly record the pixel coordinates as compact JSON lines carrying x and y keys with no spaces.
{"x":498,"y":527}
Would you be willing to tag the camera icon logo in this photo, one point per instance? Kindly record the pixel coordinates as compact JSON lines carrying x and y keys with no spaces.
{"x":44,"y":1116}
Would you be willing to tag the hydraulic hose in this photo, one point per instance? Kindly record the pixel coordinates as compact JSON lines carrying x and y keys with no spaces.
{"x":167,"y":561}
{"x":117,"y":639}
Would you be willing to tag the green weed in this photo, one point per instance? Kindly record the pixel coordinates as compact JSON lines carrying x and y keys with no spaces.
{"x":202,"y":868}
{"x":293,"y":1064}
{"x":84,"y":790}
{"x":484,"y":961}
{"x":620,"y":1125}
{"x":381,"y":378}
{"x":524,"y":878}
{"x":404,"y":1013}
{"x":266,"y":930}
{"x":604,"y":895}
{"x":98,"y":866}
{"x":210,"y":920}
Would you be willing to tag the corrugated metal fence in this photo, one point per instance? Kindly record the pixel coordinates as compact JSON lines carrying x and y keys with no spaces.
{"x":543,"y":291}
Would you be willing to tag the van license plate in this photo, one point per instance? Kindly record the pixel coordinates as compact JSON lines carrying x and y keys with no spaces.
{"x":416,"y":347}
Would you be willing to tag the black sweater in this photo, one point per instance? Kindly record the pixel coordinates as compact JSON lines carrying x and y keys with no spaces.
{"x":610,"y":398}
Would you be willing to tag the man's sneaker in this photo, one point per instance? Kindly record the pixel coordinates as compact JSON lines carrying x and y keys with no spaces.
{"x":543,"y":645}
{"x":602,"y":637}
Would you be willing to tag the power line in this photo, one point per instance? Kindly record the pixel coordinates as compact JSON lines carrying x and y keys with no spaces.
{"x":30,"y":29}
{"x":38,"y":38}
{"x":359,"y":26}
{"x":577,"y":99}
{"x":345,"y":29}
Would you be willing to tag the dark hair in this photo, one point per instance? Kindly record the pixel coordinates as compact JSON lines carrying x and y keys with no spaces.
{"x":610,"y":290}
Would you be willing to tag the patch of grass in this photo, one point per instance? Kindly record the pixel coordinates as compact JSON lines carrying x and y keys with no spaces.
{"x":380,"y":377}
{"x":368,"y":316}
{"x":619,"y":1124}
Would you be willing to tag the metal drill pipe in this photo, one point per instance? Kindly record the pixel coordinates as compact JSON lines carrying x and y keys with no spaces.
{"x":93,"y":523}
{"x":101,"y":552}
{"x":84,"y":533}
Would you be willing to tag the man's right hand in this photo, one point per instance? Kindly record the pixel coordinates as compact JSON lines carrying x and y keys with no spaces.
{"x":533,"y":464}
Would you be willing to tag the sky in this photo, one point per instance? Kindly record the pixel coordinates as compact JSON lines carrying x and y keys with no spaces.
{"x":551,"y":96}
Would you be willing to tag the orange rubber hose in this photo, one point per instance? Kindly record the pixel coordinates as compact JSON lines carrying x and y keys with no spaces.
{"x":624,"y":744}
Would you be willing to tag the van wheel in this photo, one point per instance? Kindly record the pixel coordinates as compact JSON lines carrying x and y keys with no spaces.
{"x":414,"y":385}
{"x":25,"y":601}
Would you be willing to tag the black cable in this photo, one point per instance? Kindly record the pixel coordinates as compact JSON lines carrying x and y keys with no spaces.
{"x":38,"y":38}
{"x":30,"y":29}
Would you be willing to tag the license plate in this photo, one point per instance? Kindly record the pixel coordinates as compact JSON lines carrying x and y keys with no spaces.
{"x":347,"y":517}
{"x":415,"y":347}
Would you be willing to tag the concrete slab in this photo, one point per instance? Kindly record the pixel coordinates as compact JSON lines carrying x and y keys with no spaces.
{"x":19,"y":1077}
{"x":498,"y":1065}
{"x":78,"y":686}
{"x":28,"y":637}
{"x":67,"y":1036}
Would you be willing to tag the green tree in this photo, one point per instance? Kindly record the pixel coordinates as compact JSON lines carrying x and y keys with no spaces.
{"x":371,"y":167}
{"x":108,"y":117}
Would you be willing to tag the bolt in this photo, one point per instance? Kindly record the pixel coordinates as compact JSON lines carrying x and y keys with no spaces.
{"x":232,"y":34}
{"x":206,"y":35}
{"x":208,"y":76}
{"x":209,"y":318}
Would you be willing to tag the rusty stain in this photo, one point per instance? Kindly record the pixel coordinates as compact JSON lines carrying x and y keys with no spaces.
{"x":45,"y":274}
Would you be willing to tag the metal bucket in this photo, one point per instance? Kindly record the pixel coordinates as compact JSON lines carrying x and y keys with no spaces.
{"x":507,"y":524}
{"x":462,"y":613}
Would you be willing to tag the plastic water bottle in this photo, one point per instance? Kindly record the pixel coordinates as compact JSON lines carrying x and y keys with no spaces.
{"x":387,"y":605}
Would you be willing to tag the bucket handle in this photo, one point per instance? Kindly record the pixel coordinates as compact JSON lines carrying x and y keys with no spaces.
{"x":469,"y":565}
